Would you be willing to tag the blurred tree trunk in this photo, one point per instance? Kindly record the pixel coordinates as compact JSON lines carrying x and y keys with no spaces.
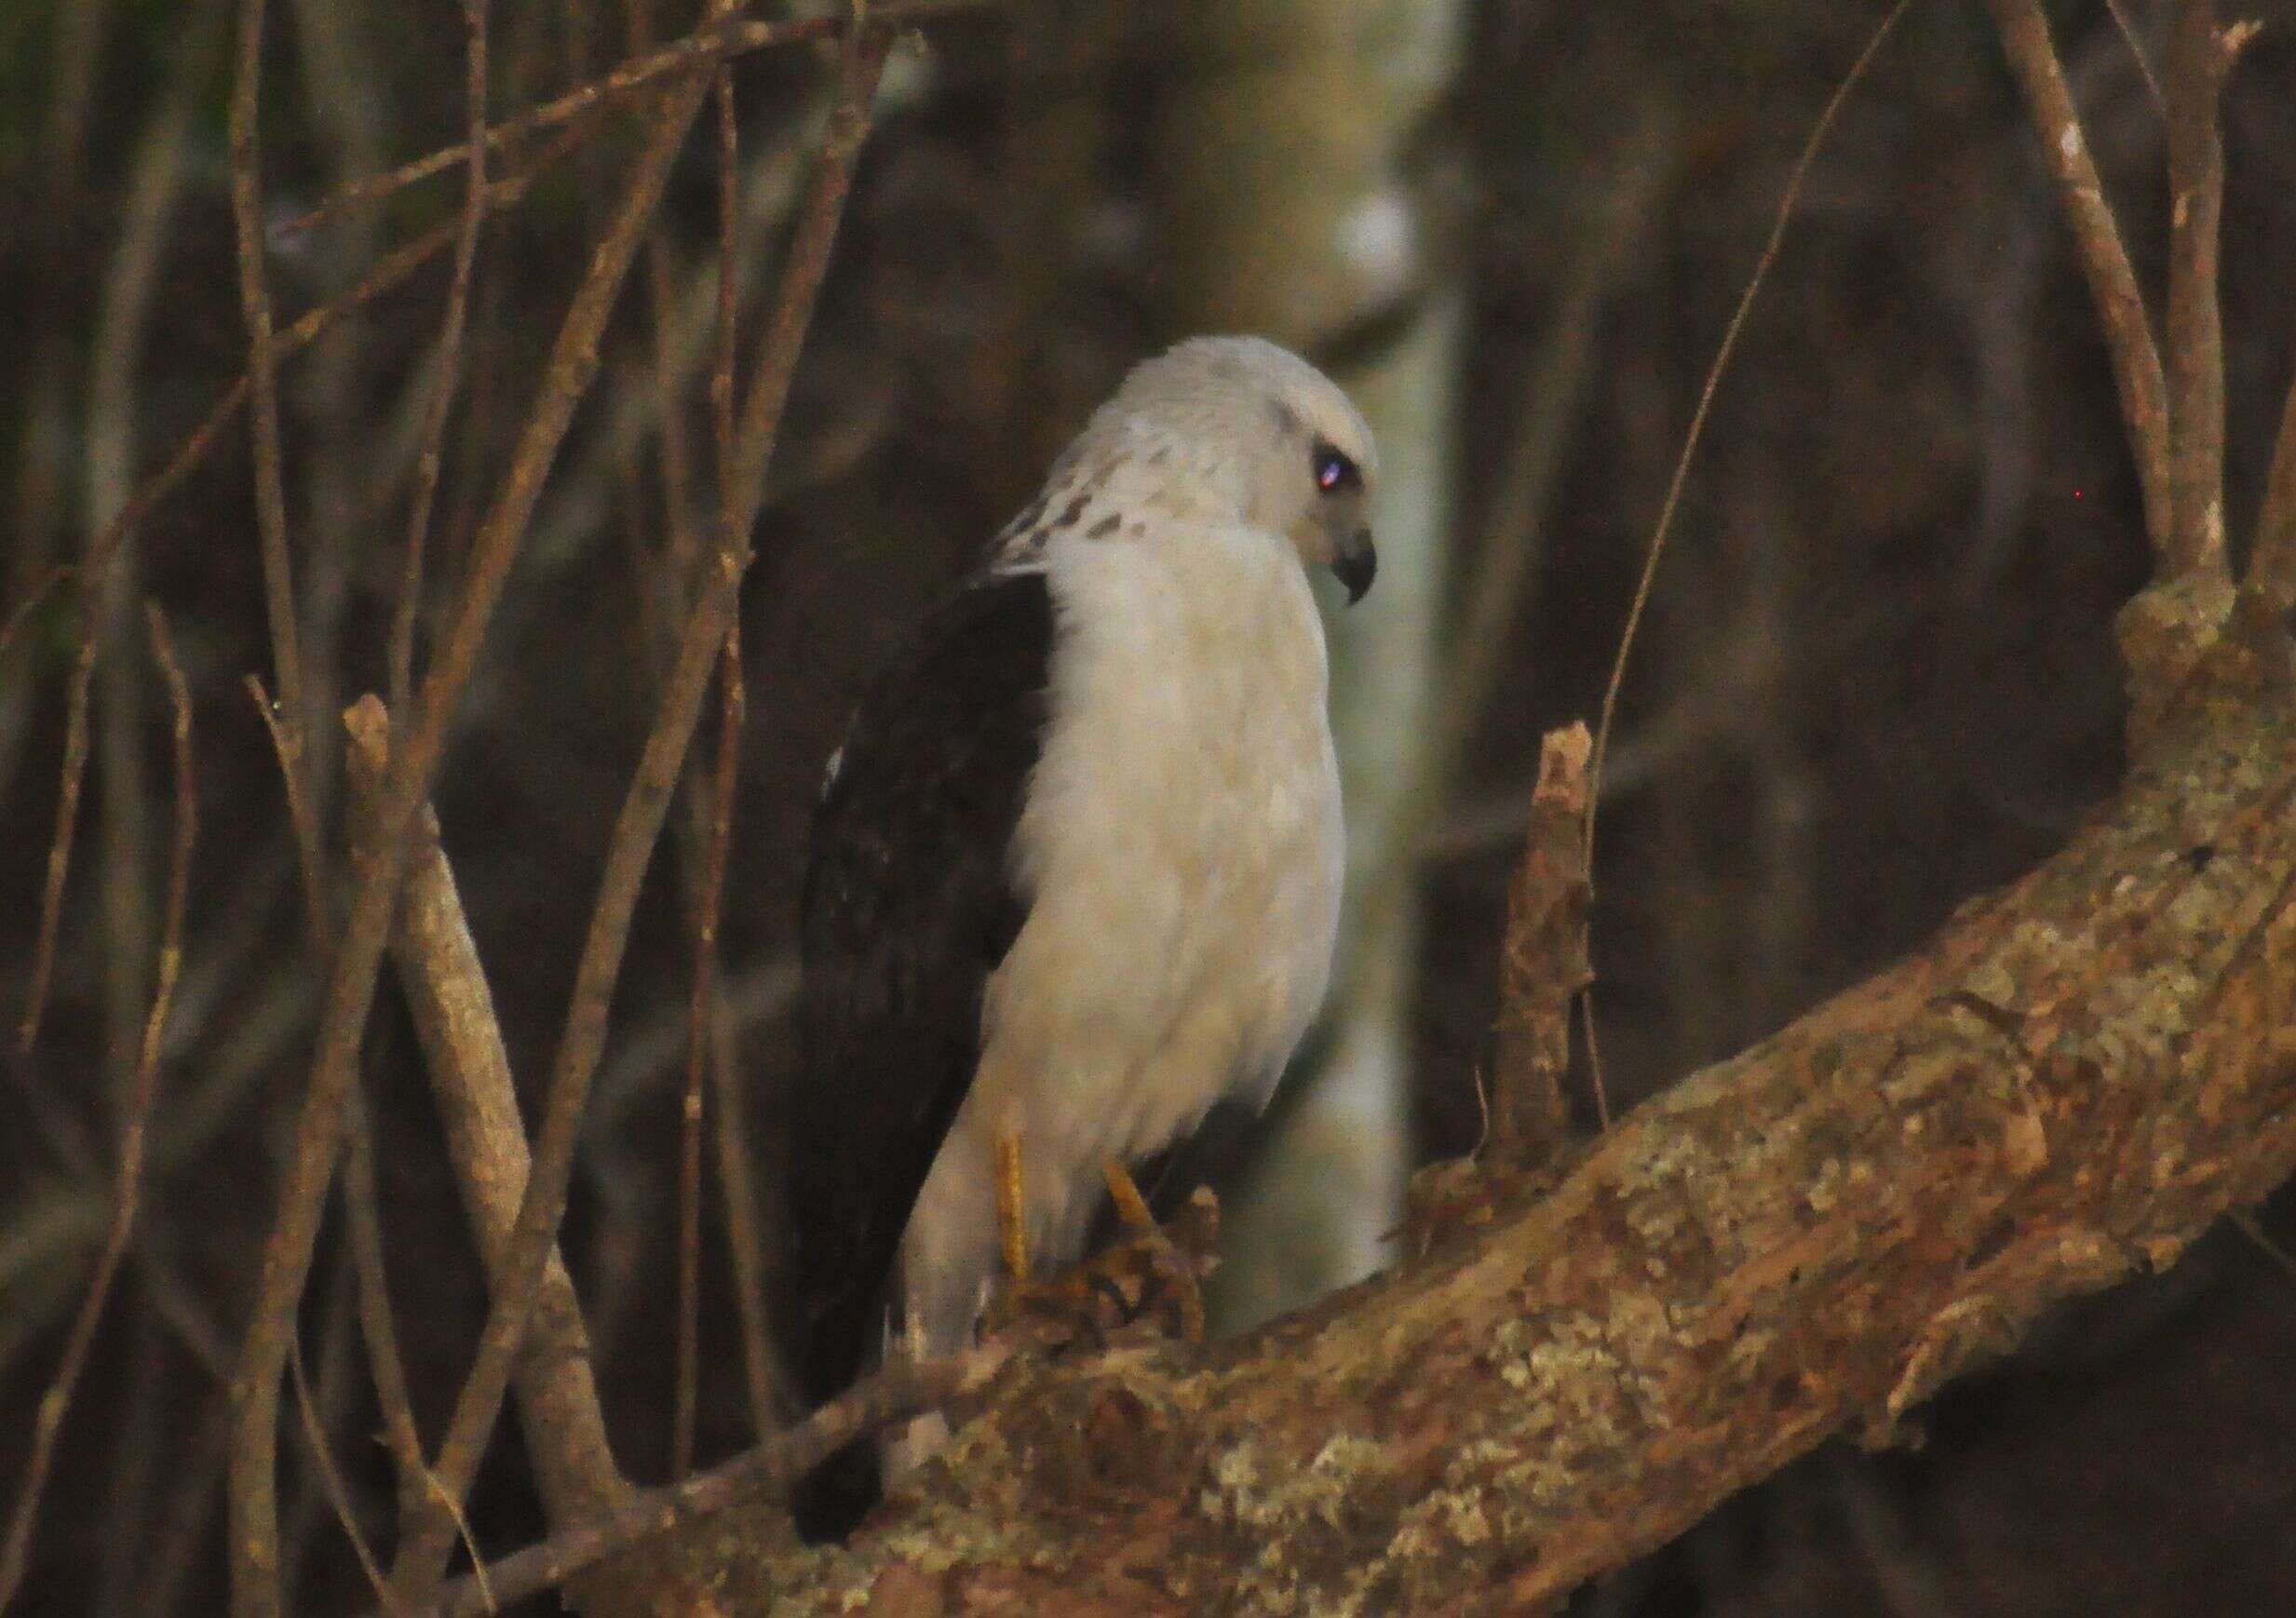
{"x":1282,"y":211}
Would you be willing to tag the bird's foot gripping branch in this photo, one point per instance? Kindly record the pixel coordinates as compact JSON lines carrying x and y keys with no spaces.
{"x":1150,"y":1277}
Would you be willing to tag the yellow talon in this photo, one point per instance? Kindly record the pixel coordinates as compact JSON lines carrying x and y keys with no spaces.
{"x":1131,"y":1208}
{"x":1011,"y":1227}
{"x":1178,"y":1271}
{"x":1147,"y":1262}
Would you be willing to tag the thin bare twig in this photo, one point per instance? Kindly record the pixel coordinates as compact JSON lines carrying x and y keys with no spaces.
{"x":376,"y":1324}
{"x":894,"y":1393}
{"x":263,"y":384}
{"x":727,"y":349}
{"x":2137,"y":53}
{"x":685,"y":1395}
{"x":425,"y":1549}
{"x":671,"y":566}
{"x":668,"y":417}
{"x":1550,"y":408}
{"x":123,"y":832}
{"x":159,"y":171}
{"x":69,"y":780}
{"x":377,"y":1327}
{"x":578,"y":501}
{"x":55,"y":1228}
{"x":487,"y":1601}
{"x":2195,"y":333}
{"x":387,"y":276}
{"x":2111,"y":283}
{"x":571,"y":129}
{"x":696,"y":52}
{"x":772,"y":1400}
{"x":775,"y":367}
{"x":301,"y":816}
{"x":155,"y":184}
{"x":42,"y":373}
{"x":49,"y":1422}
{"x":330,"y":1477}
{"x":334,"y":1382}
{"x":350,"y":456}
{"x":702,"y":1010}
{"x":701,"y":1046}
{"x":1709,"y":712}
{"x":123,"y":836}
{"x":453,"y":1013}
{"x":286,"y":1257}
{"x":1509,"y":545}
{"x":450,"y":363}
{"x":1705,"y":404}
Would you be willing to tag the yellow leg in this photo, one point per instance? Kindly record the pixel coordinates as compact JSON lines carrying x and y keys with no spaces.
{"x":1145,"y":1269}
{"x":1131,"y":1208}
{"x":1011,"y":1226}
{"x":1179,"y":1274}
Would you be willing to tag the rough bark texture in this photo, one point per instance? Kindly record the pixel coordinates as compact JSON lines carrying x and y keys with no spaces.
{"x":1542,"y":965}
{"x":2067,"y":1085}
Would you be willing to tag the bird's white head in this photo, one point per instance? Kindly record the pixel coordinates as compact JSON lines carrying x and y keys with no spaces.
{"x":1221,"y":429}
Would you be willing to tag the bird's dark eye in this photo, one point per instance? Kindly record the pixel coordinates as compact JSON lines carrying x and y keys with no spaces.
{"x":1334,"y":471}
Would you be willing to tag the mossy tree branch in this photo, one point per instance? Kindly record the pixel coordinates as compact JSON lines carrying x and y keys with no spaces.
{"x":2065,"y":1086}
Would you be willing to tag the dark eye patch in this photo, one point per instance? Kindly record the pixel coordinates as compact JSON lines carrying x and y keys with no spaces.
{"x":1334,"y":471}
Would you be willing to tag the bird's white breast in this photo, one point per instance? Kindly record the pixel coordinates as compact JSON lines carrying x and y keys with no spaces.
{"x":1182,"y":847}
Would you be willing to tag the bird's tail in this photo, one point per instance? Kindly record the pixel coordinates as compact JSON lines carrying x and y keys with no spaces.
{"x":837,"y":1346}
{"x":831,"y":1501}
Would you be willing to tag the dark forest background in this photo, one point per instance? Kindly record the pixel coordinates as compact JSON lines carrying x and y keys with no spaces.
{"x":1878,"y":674}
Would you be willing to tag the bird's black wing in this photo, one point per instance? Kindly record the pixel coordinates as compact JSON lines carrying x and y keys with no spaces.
{"x":909,"y":906}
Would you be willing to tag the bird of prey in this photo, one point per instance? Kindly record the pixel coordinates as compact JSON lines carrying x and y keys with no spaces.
{"x":1075,"y":873}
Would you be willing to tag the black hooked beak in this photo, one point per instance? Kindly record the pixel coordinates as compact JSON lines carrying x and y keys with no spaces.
{"x":1356,"y":564}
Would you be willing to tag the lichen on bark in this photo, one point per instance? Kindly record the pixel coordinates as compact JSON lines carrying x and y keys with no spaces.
{"x":2064,"y":1086}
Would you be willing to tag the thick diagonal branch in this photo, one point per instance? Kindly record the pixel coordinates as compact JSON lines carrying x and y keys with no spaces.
{"x":2065,"y":1086}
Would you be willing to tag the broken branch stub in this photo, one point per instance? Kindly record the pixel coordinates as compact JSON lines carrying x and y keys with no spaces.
{"x":1543,"y":964}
